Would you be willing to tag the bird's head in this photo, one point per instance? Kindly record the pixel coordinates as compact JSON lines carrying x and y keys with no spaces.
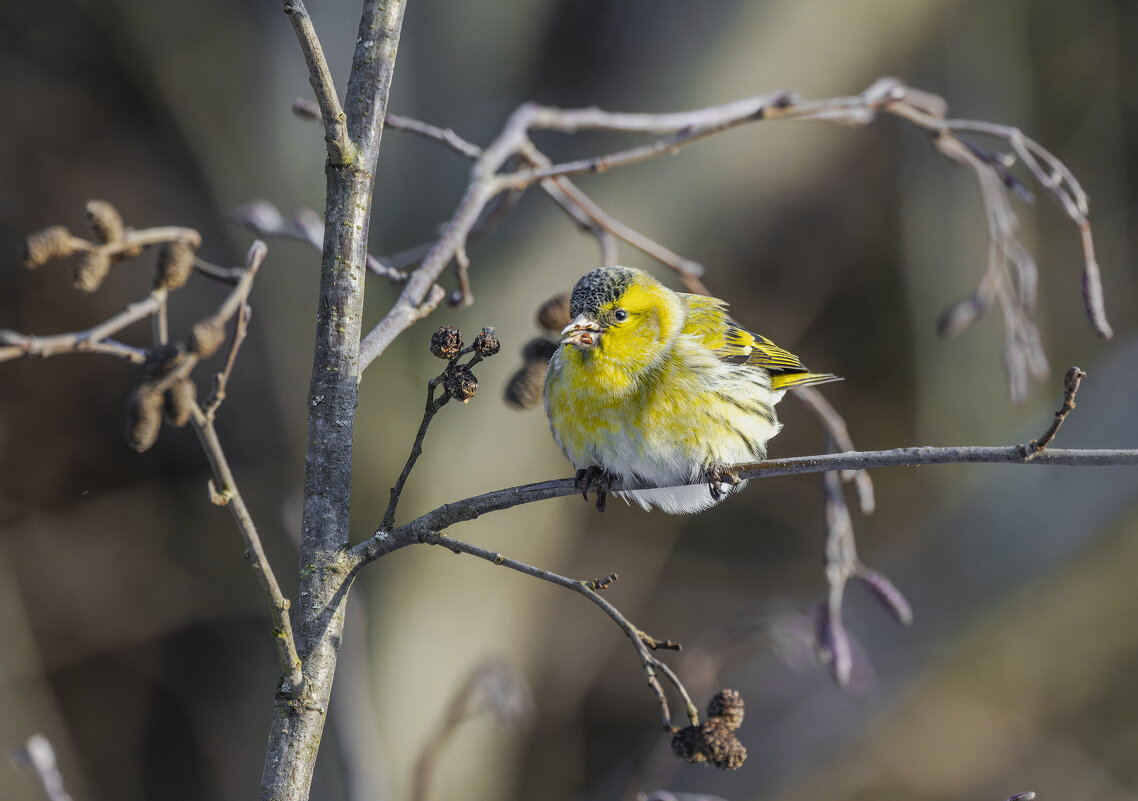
{"x":622,"y":317}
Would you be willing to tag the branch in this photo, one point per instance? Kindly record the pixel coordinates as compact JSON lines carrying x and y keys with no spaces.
{"x":223,"y":491}
{"x":1023,"y":352}
{"x":333,"y":395}
{"x":1071,"y":383}
{"x":835,"y":427}
{"x":341,"y":149}
{"x":842,"y":564}
{"x":471,"y":508}
{"x":640,"y":641}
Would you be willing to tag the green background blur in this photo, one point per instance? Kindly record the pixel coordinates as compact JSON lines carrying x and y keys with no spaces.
{"x":135,"y":637}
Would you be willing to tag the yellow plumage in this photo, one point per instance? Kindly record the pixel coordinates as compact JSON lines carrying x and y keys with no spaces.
{"x":662,"y":387}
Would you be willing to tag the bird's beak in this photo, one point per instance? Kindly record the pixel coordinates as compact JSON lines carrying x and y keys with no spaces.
{"x":583,"y":332}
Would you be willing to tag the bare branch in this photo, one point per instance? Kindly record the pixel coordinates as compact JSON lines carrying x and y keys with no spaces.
{"x":224,"y":492}
{"x":1024,"y":354}
{"x":1070,"y":387}
{"x":471,"y":508}
{"x":639,"y":639}
{"x":842,"y":564}
{"x":14,"y":345}
{"x":429,"y":413}
{"x":341,"y":149}
{"x":835,"y":427}
{"x":221,"y":378}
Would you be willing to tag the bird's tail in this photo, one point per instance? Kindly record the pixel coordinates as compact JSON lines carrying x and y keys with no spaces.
{"x":790,"y":380}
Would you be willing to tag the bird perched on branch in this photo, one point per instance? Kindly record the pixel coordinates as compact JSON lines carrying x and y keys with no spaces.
{"x":654,"y":386}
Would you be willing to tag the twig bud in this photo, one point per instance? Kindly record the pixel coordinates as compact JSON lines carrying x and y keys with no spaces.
{"x":175,"y":263}
{"x":446,"y":342}
{"x":727,"y":705}
{"x":179,"y":402}
{"x":43,"y":246}
{"x":554,"y":313}
{"x":460,"y":383}
{"x":91,"y":269}
{"x":206,"y":337}
{"x":486,"y":344}
{"x":144,"y":418}
{"x":105,"y":221}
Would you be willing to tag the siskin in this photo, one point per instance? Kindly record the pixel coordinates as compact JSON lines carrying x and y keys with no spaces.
{"x":659,"y":387}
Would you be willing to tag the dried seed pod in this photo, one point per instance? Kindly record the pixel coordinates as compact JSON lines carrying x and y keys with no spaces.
{"x":727,"y":705}
{"x":175,"y":263}
{"x":90,"y":270}
{"x":554,"y":313}
{"x":161,"y":359}
{"x":720,"y":745}
{"x":526,"y":386}
{"x":144,"y":418}
{"x":539,"y":349}
{"x":179,"y":402}
{"x":105,"y":221}
{"x":460,"y":383}
{"x":50,"y":243}
{"x":486,"y":344}
{"x":206,"y":337}
{"x":686,"y":744}
{"x":446,"y":342}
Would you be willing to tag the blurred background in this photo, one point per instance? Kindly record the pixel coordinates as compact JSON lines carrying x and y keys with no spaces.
{"x":136,"y":638}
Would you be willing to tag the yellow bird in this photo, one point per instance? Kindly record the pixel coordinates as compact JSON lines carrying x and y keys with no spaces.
{"x":660,"y":387}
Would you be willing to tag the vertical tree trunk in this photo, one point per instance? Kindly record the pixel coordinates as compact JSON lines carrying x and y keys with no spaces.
{"x":299,"y":715}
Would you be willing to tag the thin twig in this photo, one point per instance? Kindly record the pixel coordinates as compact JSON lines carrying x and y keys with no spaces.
{"x":835,"y":426}
{"x":221,"y":378}
{"x":226,"y":275}
{"x":14,"y":345}
{"x":264,"y":220}
{"x":1070,"y":388}
{"x":650,"y":663}
{"x":224,"y":492}
{"x":842,"y":564}
{"x":432,"y":408}
{"x":341,"y":149}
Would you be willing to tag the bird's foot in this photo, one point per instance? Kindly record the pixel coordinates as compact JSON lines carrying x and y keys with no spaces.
{"x":720,"y":478}
{"x":593,"y":477}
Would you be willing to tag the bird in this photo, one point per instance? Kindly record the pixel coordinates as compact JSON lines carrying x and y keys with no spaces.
{"x":651,"y":386}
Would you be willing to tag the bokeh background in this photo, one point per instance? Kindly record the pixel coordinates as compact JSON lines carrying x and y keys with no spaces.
{"x":135,"y":637}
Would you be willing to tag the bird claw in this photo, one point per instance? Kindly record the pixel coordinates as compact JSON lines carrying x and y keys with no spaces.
{"x":585,"y":481}
{"x":718,"y":475}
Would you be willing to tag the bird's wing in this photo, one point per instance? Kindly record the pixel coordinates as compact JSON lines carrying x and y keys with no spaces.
{"x":709,"y":322}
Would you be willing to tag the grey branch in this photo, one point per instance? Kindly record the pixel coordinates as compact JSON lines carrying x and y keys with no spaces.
{"x":1023,"y":352}
{"x":640,"y":641}
{"x":471,"y":508}
{"x":341,"y":149}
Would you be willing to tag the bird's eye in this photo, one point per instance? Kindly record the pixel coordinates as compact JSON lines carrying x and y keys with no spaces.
{"x":620,"y":315}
